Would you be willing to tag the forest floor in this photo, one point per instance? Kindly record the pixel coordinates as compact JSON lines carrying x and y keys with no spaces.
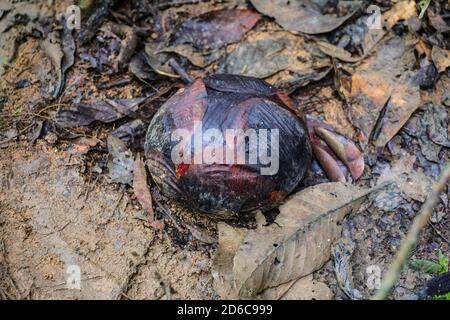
{"x":60,"y":206}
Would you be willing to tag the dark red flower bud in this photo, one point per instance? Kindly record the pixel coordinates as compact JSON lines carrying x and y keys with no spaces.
{"x":227,"y":143}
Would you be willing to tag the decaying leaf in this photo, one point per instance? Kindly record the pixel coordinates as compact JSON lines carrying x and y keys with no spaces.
{"x":436,"y":121}
{"x":337,"y":52}
{"x":158,"y":62}
{"x":260,"y":58}
{"x":437,"y":21}
{"x":140,"y":68}
{"x":141,"y":188}
{"x":342,"y":253}
{"x":230,"y":239}
{"x":68,"y":48}
{"x":129,"y":132}
{"x":332,"y":166}
{"x":120,"y":164}
{"x":296,"y":245}
{"x":305,"y":288}
{"x":402,"y":10}
{"x":104,"y":111}
{"x":82,"y":145}
{"x":215,"y":29}
{"x":345,"y":149}
{"x":441,"y":58}
{"x":52,"y":48}
{"x":404,"y":100}
{"x":300,"y":16}
{"x":195,"y":57}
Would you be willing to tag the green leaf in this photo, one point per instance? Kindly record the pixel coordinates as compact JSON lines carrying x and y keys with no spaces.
{"x":427,"y":266}
{"x":442,"y":296}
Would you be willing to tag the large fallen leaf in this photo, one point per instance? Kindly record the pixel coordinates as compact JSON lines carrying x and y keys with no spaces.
{"x":104,"y":111}
{"x":305,"y":288}
{"x":410,"y":183}
{"x":280,"y":55}
{"x":260,"y":58}
{"x":300,"y":16}
{"x":215,"y":29}
{"x":374,"y":81}
{"x":299,"y":242}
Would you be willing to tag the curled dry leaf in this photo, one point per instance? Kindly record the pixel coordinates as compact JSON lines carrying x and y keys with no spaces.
{"x":141,"y":188}
{"x":300,"y":16}
{"x":251,"y":261}
{"x":342,"y":253}
{"x":215,"y":29}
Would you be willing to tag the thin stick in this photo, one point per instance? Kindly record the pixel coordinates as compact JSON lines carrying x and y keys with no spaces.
{"x":420,"y":221}
{"x":180,"y":71}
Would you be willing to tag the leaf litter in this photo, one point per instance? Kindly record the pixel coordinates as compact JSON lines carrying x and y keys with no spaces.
{"x":298,"y":243}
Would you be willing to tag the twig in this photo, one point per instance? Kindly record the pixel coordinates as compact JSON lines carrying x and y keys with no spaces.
{"x":420,"y":221}
{"x":180,"y":71}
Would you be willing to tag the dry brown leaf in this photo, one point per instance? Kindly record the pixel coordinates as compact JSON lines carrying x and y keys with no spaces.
{"x":296,"y":245}
{"x":441,"y":58}
{"x":369,"y":92}
{"x":405,"y":99}
{"x":345,"y":149}
{"x":300,"y":16}
{"x":83,"y":145}
{"x":333,"y":167}
{"x":215,"y":29}
{"x":305,"y":288}
{"x":141,"y":188}
{"x":437,"y":21}
{"x":402,"y":10}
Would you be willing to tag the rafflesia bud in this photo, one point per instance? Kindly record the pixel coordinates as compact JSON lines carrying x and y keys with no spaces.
{"x":227,"y":143}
